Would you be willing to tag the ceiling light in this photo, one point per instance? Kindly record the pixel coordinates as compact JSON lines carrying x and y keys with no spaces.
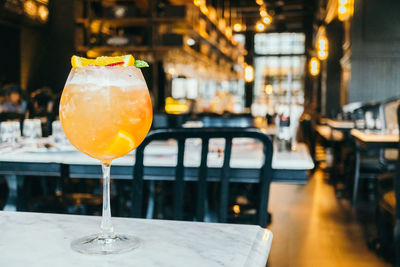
{"x":237,"y":27}
{"x":260,"y":26}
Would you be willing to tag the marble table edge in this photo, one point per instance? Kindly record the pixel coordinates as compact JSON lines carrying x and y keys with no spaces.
{"x":260,"y":249}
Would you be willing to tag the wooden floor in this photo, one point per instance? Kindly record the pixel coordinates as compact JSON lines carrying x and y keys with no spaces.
{"x":312,"y":227}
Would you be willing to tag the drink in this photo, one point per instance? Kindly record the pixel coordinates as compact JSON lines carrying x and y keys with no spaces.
{"x":106,"y":112}
{"x":106,"y":121}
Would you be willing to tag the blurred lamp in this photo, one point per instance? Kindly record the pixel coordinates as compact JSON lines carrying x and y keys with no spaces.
{"x":204,"y":9}
{"x":198,"y":2}
{"x":43,"y":13}
{"x":260,"y":2}
{"x":260,"y":26}
{"x":345,"y":9}
{"x":263,"y":11}
{"x":30,"y":8}
{"x":267,"y":19}
{"x":268,"y":89}
{"x":190,"y":42}
{"x":237,"y":27}
{"x":249,"y":73}
{"x":314,"y":66}
{"x":322,"y":47}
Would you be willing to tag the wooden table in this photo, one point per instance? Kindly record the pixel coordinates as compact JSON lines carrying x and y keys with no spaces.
{"x":329,"y":134}
{"x":35,"y":239}
{"x":160,"y":161}
{"x":340,"y":124}
{"x":371,"y":139}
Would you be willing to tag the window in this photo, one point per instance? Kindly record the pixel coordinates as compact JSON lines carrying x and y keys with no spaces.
{"x":279,"y":68}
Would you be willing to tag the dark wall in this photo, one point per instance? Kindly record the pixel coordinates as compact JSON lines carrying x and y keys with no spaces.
{"x":9,"y":45}
{"x":334,"y":32}
{"x":375,"y":58}
{"x":39,"y":55}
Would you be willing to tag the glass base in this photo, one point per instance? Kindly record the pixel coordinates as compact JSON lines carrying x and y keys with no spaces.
{"x":95,"y":244}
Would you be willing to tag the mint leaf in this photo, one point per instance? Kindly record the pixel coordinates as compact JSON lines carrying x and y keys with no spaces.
{"x":140,"y":64}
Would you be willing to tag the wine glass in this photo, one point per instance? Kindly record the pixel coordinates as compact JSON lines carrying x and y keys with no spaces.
{"x":105,"y":112}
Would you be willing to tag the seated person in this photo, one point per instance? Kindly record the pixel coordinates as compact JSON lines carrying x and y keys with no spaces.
{"x":13,"y":100}
{"x":41,"y":103}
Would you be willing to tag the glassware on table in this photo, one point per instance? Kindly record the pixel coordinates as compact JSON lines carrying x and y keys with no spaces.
{"x":10,"y":132}
{"x":32,"y":128}
{"x":57,"y":133}
{"x":105,"y":112}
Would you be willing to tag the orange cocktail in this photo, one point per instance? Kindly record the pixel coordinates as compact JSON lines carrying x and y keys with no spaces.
{"x":103,"y":118}
{"x":106,"y":112}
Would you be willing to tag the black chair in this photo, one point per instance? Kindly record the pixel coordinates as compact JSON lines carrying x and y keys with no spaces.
{"x":205,"y":134}
{"x":15,"y":116}
{"x":369,"y":161}
{"x":388,"y":212}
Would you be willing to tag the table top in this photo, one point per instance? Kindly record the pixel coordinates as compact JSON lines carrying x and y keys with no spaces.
{"x":245,"y":154}
{"x":329,"y":134}
{"x":35,"y":239}
{"x":340,"y":124}
{"x":369,"y":136}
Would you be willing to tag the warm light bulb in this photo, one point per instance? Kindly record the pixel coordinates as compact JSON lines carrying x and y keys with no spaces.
{"x":263,"y":12}
{"x":322,"y":55}
{"x":314,"y":66}
{"x":197,"y":2}
{"x":237,"y":27}
{"x":268,"y":89}
{"x":260,"y":26}
{"x":249,"y":73}
{"x":322,"y":44}
{"x":322,"y":48}
{"x":260,"y":2}
{"x":267,"y":20}
{"x":345,"y":9}
{"x":342,"y":9}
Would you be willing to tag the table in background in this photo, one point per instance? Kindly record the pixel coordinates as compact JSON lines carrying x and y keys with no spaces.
{"x":160,"y":161}
{"x":36,"y":239}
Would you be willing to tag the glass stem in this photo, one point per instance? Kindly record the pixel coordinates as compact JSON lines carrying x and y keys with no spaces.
{"x":107,"y":229}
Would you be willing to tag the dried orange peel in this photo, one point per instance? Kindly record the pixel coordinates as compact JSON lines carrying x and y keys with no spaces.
{"x":123,"y":61}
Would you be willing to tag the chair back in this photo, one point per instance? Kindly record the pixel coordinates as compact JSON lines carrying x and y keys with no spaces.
{"x":397,"y":196}
{"x":11,"y":116}
{"x":388,"y":115}
{"x":205,"y":134}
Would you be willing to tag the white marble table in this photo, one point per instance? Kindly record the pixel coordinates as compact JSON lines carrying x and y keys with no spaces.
{"x":245,"y":155}
{"x":35,"y":239}
{"x":288,"y":166}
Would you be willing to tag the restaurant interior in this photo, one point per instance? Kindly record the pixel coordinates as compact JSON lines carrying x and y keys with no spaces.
{"x":239,"y":133}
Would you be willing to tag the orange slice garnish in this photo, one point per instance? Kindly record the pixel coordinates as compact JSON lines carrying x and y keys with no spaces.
{"x":122,"y":144}
{"x":123,"y":61}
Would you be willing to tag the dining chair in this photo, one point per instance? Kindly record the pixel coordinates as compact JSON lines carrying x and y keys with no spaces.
{"x":370,"y":165}
{"x":202,"y":179}
{"x":388,"y":212}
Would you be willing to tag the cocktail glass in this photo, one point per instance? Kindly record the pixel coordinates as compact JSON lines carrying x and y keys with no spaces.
{"x":105,"y":112}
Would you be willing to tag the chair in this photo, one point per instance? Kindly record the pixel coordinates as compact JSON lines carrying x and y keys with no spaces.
{"x":388,"y":115}
{"x":370,"y":165}
{"x":205,"y":134}
{"x":388,"y":212}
